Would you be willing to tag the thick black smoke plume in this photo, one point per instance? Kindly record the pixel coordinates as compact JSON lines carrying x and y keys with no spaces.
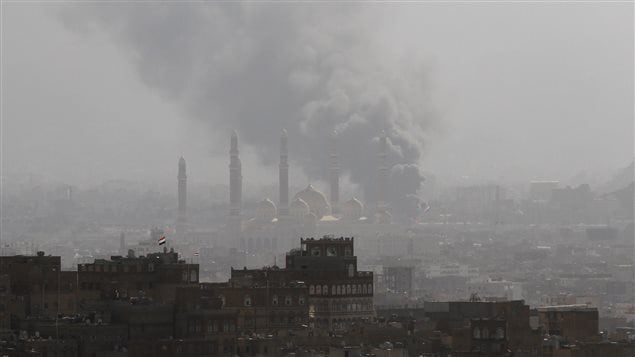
{"x":310,"y":68}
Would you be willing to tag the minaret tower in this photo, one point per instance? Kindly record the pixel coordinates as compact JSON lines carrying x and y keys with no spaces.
{"x":382,"y":196}
{"x":283,"y":176}
{"x":181,"y":219}
{"x":235,"y":177}
{"x":334,"y":173}
{"x":235,"y":192}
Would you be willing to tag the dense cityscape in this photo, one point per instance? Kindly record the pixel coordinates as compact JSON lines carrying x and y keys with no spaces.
{"x":473,"y":271}
{"x":322,"y":178}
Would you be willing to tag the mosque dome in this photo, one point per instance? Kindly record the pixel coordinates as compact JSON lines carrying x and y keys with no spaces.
{"x":352,"y":209}
{"x":316,"y":200}
{"x":383,"y":217}
{"x":266,"y":210}
{"x":298,"y":208}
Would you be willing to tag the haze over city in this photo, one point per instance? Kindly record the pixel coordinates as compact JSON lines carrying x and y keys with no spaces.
{"x":317,"y":178}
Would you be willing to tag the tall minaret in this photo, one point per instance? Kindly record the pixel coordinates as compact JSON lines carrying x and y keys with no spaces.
{"x":283,"y":176}
{"x":122,"y":244}
{"x":235,"y":177}
{"x":382,"y":196}
{"x":181,"y":218}
{"x":334,"y":173}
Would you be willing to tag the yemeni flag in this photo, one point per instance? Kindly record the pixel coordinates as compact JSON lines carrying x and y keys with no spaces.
{"x":162,"y":240}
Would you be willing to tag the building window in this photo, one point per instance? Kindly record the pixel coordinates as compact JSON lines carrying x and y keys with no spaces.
{"x":318,"y":290}
{"x":184,"y":275}
{"x":485,"y":333}
{"x":354,"y":289}
{"x":222,"y":300}
{"x":301,"y":300}
{"x":247,"y":300}
{"x":288,"y":300}
{"x":311,"y":289}
{"x":193,"y":276}
{"x":500,"y":334}
{"x":274,"y":300}
{"x":351,"y":270}
{"x":348,"y":289}
{"x":325,"y":290}
{"x":333,"y":290}
{"x":370,"y":288}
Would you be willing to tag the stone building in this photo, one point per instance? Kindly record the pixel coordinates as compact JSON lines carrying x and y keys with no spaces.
{"x":154,"y":276}
{"x":338,"y":294}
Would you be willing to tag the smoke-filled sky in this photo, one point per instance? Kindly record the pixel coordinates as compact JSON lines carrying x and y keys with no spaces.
{"x":494,"y":91}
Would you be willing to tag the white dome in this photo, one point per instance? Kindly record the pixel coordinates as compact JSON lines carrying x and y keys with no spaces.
{"x":298,"y":208}
{"x":352,"y":209}
{"x":316,"y":200}
{"x":266,"y":210}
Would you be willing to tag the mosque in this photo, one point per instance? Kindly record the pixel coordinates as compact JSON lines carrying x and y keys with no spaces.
{"x":276,"y":228}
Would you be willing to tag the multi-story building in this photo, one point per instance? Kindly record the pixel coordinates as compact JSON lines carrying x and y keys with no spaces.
{"x":338,"y":293}
{"x":35,"y":285}
{"x":155,"y":276}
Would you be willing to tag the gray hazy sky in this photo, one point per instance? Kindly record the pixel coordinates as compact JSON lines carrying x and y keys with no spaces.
{"x":519,"y":91}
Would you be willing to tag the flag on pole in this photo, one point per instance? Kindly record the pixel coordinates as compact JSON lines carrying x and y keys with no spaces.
{"x":196,"y":254}
{"x":162,"y":240}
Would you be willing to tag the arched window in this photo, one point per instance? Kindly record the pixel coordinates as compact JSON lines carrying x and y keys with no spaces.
{"x":476,"y":333}
{"x":333,"y":290}
{"x":274,"y":300}
{"x":318,"y":290}
{"x":485,"y":333}
{"x":325,"y":290}
{"x":311,"y":289}
{"x":288,"y":300}
{"x":247,"y":300}
{"x":301,"y":300}
{"x":348,"y":289}
{"x":499,"y":334}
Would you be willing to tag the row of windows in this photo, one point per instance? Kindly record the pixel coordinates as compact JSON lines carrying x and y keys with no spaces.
{"x":351,"y":307}
{"x":275,"y":300}
{"x":114,"y":268}
{"x":97,"y":286}
{"x":212,"y":326}
{"x":347,"y":289}
{"x":499,"y":334}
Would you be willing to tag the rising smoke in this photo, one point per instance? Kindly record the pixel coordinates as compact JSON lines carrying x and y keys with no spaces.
{"x":310,"y":68}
